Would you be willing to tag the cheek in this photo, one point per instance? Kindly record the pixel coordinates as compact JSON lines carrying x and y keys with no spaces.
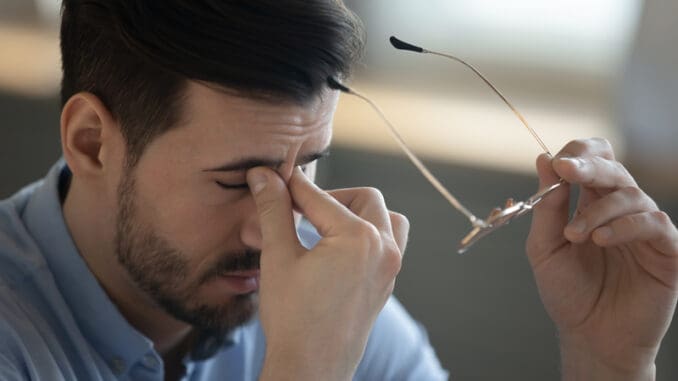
{"x":197,"y":229}
{"x":191,"y":224}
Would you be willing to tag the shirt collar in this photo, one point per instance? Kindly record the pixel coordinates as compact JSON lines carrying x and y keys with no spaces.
{"x":119,"y":344}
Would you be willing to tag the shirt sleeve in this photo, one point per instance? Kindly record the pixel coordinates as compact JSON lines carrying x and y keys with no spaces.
{"x":398,"y":349}
{"x":25,"y":353}
{"x":8,"y":368}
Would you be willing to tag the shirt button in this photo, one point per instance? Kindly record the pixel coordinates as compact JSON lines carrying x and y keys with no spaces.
{"x":117,"y":365}
{"x":150,"y":362}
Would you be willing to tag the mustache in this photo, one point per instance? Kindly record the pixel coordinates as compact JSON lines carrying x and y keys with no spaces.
{"x":243,"y":261}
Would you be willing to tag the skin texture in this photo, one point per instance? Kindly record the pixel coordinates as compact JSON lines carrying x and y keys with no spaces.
{"x":332,"y":293}
{"x":170,"y":217}
{"x":156,"y":235}
{"x":609,"y":277}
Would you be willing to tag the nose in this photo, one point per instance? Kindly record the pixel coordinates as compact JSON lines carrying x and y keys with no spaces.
{"x":250,"y":231}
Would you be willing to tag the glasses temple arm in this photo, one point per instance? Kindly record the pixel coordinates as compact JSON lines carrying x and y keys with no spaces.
{"x":475,"y":221}
{"x":402,"y":45}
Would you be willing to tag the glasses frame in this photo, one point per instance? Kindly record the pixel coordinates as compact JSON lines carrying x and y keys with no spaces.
{"x":498,"y":217}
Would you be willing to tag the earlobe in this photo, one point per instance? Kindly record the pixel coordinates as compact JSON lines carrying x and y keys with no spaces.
{"x":84,"y":121}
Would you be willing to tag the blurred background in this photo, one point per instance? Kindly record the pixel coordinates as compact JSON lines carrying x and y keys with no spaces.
{"x":574,"y":68}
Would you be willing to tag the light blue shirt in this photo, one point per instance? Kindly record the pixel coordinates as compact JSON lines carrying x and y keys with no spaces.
{"x":57,"y":322}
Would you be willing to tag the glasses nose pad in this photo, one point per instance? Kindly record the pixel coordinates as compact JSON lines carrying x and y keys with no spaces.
{"x":493,"y":214}
{"x":497,"y":218}
{"x":496,"y":212}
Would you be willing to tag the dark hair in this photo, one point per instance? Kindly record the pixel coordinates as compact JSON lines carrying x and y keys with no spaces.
{"x":137,"y":55}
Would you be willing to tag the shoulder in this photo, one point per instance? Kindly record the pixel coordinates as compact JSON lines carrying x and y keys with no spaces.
{"x":19,"y":253}
{"x":398,"y":349}
{"x":30,"y":342}
{"x":25,"y":339}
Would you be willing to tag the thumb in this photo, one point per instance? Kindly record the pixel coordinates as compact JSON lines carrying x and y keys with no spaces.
{"x":274,"y":207}
{"x":551,"y":215}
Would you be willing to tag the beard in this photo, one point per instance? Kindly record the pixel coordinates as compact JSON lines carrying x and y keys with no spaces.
{"x":162,"y":272}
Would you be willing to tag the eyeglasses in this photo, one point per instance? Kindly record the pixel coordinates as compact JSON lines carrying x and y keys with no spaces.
{"x":499,"y":216}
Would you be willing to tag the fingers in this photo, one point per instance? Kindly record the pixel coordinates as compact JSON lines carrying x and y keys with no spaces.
{"x":274,"y":207}
{"x":332,"y":213}
{"x":588,"y":148}
{"x":400,"y":230}
{"x":329,"y":216}
{"x":551,"y":215}
{"x":593,"y":172}
{"x":654,"y":227}
{"x":368,"y":203}
{"x":591,"y":163}
{"x":612,"y":210}
{"x":625,"y":201}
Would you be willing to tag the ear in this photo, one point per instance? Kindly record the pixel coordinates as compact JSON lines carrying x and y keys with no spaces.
{"x":87,"y":132}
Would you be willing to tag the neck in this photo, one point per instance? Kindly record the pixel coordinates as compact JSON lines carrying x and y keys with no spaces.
{"x":94,"y":235}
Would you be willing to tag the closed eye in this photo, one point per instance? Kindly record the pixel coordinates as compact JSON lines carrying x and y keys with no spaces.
{"x":232,"y":186}
{"x":244,"y":185}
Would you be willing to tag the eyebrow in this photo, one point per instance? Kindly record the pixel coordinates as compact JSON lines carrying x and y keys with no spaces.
{"x":251,"y":162}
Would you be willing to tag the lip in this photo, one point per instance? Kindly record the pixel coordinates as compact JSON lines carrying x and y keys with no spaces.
{"x":242,"y":274}
{"x":239,"y":282}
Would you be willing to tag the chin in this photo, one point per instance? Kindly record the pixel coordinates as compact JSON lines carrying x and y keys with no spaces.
{"x":224,"y":317}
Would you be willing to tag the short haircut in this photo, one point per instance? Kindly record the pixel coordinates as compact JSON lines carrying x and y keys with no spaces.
{"x":137,"y":55}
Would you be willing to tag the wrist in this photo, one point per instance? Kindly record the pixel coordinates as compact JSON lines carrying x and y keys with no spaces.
{"x":288,"y":364}
{"x":580,"y":361}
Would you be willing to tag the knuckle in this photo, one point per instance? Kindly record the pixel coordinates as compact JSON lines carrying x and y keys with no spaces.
{"x":392,"y":260}
{"x":367,"y":234}
{"x":629,"y":221}
{"x":633,"y":192}
{"x":373,"y":194}
{"x":400,"y":221}
{"x":602,"y":147}
{"x":575,"y":146}
{"x":580,"y":143}
{"x":598,"y":145}
{"x":603,"y":143}
{"x":662,"y":218}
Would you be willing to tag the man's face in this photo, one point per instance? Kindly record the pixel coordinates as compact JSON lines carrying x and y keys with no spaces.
{"x":187,"y":226}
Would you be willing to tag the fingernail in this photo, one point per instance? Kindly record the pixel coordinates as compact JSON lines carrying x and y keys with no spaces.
{"x":577,"y":162}
{"x":577,"y":226}
{"x":604,"y":233}
{"x":257,"y":181}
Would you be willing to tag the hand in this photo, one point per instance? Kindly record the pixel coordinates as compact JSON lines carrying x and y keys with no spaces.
{"x":317,"y":306}
{"x":608,"y":278}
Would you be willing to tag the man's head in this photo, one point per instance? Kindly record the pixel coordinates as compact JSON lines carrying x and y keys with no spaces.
{"x":166,"y":104}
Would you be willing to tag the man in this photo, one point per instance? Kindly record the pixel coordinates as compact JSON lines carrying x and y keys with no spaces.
{"x":189,"y":134}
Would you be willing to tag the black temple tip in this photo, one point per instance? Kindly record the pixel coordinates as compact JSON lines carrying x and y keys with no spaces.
{"x":334,"y":84}
{"x":402,"y":45}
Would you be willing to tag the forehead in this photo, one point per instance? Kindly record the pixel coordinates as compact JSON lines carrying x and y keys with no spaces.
{"x":218,"y":125}
{"x":221,"y":109}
